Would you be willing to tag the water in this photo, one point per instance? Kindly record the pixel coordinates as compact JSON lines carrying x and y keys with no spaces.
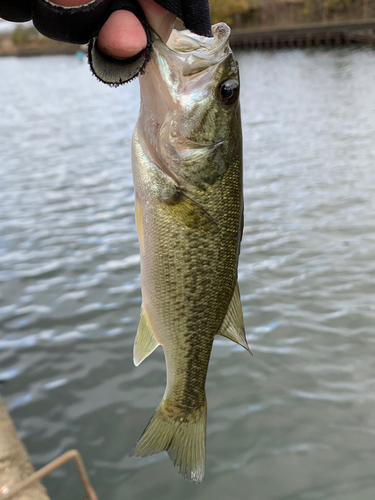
{"x":296,"y":421}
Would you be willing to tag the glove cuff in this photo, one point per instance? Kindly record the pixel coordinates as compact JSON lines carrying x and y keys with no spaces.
{"x":82,"y":24}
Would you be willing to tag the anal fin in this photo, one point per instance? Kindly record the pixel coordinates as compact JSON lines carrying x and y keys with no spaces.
{"x":145,"y":340}
{"x":232,"y":327}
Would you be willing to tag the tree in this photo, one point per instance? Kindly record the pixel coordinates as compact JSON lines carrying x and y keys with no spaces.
{"x":226,"y":10}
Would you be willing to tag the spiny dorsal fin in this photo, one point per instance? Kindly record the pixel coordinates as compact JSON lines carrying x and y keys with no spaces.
{"x":145,"y":340}
{"x":233,"y":327}
{"x":190,"y":213}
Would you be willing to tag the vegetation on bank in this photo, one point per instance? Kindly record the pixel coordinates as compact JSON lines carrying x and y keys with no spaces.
{"x":256,"y":13}
{"x":24,"y":40}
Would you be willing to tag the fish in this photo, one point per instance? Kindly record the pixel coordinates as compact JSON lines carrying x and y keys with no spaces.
{"x":187,"y":172}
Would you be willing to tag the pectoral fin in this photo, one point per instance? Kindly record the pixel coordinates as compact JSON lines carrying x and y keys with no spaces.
{"x":183,"y":207}
{"x":145,"y":340}
{"x":189,"y":212}
{"x":233,"y":327}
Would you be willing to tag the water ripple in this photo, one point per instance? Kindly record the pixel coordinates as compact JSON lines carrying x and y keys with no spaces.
{"x":295,"y":421}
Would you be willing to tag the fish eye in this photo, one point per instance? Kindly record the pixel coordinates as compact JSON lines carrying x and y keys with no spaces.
{"x":229,"y":92}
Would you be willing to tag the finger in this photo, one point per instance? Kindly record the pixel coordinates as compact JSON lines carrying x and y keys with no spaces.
{"x":122,"y":35}
{"x":161,"y":20}
{"x":157,"y":17}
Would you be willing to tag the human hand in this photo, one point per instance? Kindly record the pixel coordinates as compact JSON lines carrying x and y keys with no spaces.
{"x":122,"y":35}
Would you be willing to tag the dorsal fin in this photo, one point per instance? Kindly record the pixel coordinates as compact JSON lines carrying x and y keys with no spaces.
{"x":233,"y":327}
{"x":145,"y":340}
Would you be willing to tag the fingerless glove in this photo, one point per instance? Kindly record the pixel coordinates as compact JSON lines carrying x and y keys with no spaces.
{"x":82,"y":24}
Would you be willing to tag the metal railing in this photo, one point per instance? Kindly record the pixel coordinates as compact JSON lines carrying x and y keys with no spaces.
{"x":6,"y":494}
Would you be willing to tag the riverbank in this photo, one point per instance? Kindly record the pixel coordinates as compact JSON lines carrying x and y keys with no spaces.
{"x":25,"y":42}
{"x":41,"y":51}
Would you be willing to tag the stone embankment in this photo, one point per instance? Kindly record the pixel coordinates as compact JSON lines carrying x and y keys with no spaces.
{"x":15,"y":465}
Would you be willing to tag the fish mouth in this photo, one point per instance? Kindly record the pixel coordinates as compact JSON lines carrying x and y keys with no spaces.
{"x":196,"y":53}
{"x":182,"y":42}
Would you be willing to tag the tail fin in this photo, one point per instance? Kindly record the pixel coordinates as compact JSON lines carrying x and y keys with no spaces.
{"x":184,"y":438}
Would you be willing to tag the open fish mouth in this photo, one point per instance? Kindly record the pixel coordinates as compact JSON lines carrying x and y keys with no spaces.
{"x":186,"y":41}
{"x":197,"y":52}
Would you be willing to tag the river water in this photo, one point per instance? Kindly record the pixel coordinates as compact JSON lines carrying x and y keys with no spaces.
{"x":294,"y":422}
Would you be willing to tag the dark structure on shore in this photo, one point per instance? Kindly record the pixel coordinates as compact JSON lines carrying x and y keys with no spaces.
{"x":306,"y":35}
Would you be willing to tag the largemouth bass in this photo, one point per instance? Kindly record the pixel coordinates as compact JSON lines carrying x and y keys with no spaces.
{"x":187,"y":169}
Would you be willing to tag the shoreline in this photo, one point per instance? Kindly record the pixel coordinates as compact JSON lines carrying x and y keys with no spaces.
{"x":43,"y":51}
{"x":27,"y":42}
{"x":307,"y":34}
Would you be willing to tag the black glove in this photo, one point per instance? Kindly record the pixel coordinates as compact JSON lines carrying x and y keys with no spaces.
{"x":82,"y":24}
